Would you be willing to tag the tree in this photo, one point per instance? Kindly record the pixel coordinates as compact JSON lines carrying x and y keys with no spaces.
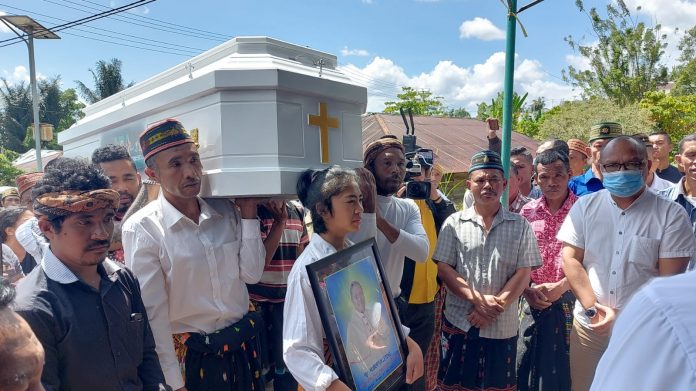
{"x":457,"y":113}
{"x":8,"y":172}
{"x":624,"y":62}
{"x":674,"y":114}
{"x":573,"y":119}
{"x":17,"y":115}
{"x":107,"y":81}
{"x":684,"y":74}
{"x":421,"y":102}
{"x":495,"y":109}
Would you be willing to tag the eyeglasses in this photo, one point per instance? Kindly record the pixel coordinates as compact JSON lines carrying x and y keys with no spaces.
{"x":628,"y":166}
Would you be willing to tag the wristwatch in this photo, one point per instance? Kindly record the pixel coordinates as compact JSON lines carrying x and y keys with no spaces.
{"x":591,"y":312}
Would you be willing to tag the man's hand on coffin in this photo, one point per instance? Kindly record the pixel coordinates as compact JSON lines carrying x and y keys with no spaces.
{"x":277,"y":208}
{"x":368,"y":188}
{"x":247,"y":206}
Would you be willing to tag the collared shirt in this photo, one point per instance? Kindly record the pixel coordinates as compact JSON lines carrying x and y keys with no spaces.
{"x":518,"y":203}
{"x":93,"y":339}
{"x":676,"y":194}
{"x":486,"y":261}
{"x":653,"y":344}
{"x":272,"y":286}
{"x":412,"y":242}
{"x":659,"y":184}
{"x":303,"y":334}
{"x":192,"y":275}
{"x":622,"y":246}
{"x":670,"y":173}
{"x":545,"y":226}
{"x":585,"y":184}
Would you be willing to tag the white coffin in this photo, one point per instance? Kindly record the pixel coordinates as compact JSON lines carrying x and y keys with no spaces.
{"x":250,"y":100}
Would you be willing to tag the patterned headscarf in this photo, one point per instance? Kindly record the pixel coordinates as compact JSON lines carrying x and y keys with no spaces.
{"x":64,"y":203}
{"x":378,"y":146}
{"x":26,"y":181}
{"x":11,"y":192}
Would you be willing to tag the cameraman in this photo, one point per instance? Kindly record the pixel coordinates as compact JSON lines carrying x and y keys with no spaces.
{"x":419,"y":284}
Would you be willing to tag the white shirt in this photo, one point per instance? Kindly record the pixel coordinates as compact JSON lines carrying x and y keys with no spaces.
{"x":622,"y":246}
{"x":653,"y":344}
{"x":303,"y":334}
{"x":660,"y":184}
{"x":404,"y":215}
{"x":30,"y":237}
{"x":192,"y":275}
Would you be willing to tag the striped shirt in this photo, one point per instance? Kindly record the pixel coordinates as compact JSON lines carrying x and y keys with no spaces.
{"x":273,"y":284}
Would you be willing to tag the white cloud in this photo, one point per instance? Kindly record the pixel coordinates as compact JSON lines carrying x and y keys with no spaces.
{"x":675,"y":16}
{"x":19,"y":74}
{"x":578,"y":62}
{"x":480,"y":28}
{"x":3,"y":28}
{"x":459,"y":86}
{"x":345,"y":52}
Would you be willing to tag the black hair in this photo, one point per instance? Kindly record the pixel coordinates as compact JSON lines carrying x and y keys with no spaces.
{"x":7,"y":293}
{"x":315,"y":189}
{"x":522,"y":151}
{"x":110,"y":153}
{"x":551,"y":156}
{"x":70,"y":174}
{"x":8,"y":218}
{"x":662,"y":133}
{"x":686,"y":139}
{"x":150,"y":163}
{"x":638,"y":146}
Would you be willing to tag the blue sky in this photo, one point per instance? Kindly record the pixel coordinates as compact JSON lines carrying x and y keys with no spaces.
{"x":451,"y":47}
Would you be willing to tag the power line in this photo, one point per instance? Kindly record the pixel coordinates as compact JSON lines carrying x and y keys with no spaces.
{"x":166,"y":23}
{"x":163,"y":28}
{"x":78,"y":22}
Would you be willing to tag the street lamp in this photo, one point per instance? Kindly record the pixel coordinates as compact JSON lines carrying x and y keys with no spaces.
{"x":32,"y":29}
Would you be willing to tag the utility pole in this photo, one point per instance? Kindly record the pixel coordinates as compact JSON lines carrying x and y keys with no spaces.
{"x":508,"y":89}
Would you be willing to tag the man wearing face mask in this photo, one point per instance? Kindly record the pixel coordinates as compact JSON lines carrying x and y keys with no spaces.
{"x":615,"y":240}
{"x":591,"y":180}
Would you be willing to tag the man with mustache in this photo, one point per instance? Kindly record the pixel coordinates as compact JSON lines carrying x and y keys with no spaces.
{"x":118,"y":165}
{"x":484,"y":257}
{"x":194,"y":257}
{"x":85,"y":310}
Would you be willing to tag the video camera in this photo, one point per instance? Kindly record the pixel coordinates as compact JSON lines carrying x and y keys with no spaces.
{"x":416,"y":158}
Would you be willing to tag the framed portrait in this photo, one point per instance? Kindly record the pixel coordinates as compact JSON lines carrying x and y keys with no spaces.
{"x":360,"y":319}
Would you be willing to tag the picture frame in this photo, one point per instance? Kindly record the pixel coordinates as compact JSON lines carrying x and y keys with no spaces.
{"x":360,"y":319}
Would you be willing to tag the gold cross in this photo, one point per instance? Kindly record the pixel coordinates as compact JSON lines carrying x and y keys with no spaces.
{"x":324,"y":122}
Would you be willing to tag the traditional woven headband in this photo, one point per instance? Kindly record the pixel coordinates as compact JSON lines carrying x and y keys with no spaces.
{"x":75,"y":201}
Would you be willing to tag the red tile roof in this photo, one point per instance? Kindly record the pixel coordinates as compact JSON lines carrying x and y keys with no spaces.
{"x":454,"y":140}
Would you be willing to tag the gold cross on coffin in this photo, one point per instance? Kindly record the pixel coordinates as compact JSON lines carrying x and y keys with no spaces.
{"x":324,"y":122}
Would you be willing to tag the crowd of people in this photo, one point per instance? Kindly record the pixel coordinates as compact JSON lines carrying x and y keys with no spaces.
{"x":115,"y":282}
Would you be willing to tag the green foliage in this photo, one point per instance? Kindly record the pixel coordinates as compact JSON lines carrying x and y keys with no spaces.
{"x":674,"y":114}
{"x":574,"y":119}
{"x":457,"y":113}
{"x":17,"y":114}
{"x":453,"y":188}
{"x":8,"y":173}
{"x":684,"y":74}
{"x":625,"y":61}
{"x":107,"y":81}
{"x":421,"y":102}
{"x":495,"y":109}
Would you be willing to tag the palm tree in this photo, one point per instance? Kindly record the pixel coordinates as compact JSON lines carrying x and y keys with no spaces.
{"x":107,"y":81}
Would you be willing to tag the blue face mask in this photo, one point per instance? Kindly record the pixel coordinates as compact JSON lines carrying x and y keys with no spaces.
{"x":623,"y":183}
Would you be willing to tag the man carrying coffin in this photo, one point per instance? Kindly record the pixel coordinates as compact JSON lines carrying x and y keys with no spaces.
{"x":193,"y":257}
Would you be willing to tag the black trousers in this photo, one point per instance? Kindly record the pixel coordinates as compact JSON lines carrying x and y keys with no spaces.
{"x":420,"y":318}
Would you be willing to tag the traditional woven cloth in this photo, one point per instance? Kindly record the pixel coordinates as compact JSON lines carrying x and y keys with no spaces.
{"x":27,"y":181}
{"x":378,"y":146}
{"x":12,"y":191}
{"x":67,"y":202}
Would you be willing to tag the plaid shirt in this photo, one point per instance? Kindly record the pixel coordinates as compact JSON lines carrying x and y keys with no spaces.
{"x":486,"y":261}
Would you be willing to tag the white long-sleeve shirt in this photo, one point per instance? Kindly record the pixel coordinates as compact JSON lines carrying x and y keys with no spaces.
{"x":192,"y":275}
{"x":412,"y":242}
{"x":303,"y":334}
